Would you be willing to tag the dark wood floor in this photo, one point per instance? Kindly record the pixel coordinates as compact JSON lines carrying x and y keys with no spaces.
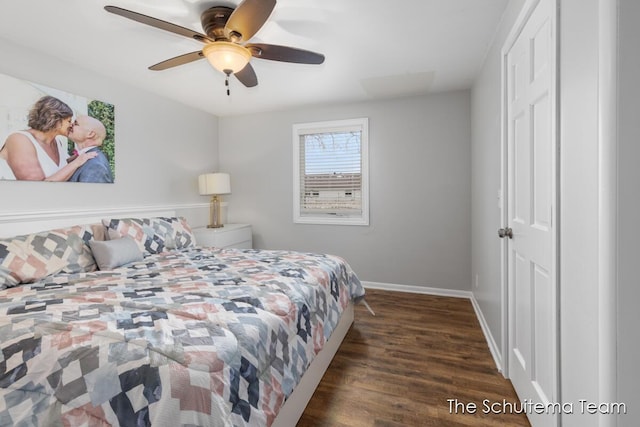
{"x":402,"y":366}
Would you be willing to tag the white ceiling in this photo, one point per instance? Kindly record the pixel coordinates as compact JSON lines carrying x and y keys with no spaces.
{"x":374,"y":49}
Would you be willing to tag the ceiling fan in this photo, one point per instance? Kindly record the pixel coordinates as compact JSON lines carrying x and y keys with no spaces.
{"x":225,"y":43}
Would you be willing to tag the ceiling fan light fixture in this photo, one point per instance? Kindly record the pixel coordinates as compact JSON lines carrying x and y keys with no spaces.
{"x":227,"y":57}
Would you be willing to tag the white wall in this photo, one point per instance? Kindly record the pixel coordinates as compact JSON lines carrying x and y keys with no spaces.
{"x":579,"y":205}
{"x":419,"y":231}
{"x":585,"y":373}
{"x":485,"y":167}
{"x":161,"y":146}
{"x":629,"y":212}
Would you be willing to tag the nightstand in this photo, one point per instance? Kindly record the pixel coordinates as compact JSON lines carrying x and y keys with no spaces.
{"x":229,"y":236}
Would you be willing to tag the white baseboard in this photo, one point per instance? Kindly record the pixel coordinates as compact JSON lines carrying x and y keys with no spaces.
{"x":418,"y":289}
{"x":493,"y":347}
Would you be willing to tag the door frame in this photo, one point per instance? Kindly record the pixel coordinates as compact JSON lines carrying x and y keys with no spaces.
{"x":607,"y":203}
{"x":515,"y":32}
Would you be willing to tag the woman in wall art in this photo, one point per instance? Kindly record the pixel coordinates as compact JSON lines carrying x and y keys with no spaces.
{"x":37,"y":154}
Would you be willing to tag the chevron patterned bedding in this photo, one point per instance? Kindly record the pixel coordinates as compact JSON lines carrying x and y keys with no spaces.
{"x":191,"y":337}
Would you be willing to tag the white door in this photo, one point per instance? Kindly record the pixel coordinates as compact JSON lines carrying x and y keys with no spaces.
{"x":531,"y":226}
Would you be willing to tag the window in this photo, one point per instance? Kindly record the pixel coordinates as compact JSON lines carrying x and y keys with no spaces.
{"x":331,"y":172}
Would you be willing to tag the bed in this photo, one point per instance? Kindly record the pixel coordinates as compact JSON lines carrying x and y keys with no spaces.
{"x":126,"y":321}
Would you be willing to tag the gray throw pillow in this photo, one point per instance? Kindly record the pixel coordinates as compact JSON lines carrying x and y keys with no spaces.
{"x":110,"y":254}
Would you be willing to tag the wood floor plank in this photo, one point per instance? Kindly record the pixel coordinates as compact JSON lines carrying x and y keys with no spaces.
{"x":401,"y":368}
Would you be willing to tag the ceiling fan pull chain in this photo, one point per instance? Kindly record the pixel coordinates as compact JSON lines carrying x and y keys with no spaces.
{"x":226,"y":83}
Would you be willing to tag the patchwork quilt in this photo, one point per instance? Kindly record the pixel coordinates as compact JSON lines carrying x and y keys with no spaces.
{"x":191,"y":337}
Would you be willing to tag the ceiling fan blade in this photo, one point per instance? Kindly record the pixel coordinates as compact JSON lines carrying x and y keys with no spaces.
{"x":178,"y":60}
{"x":249,"y":17}
{"x":158,"y":23}
{"x":247,"y":76}
{"x":284,"y":53}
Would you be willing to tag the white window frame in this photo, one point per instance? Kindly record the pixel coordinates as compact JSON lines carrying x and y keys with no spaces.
{"x":359,"y":124}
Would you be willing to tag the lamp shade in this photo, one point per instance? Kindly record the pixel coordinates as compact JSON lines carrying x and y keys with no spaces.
{"x":226,"y":56}
{"x":214,"y":183}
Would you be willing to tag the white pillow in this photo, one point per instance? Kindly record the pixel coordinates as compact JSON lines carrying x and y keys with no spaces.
{"x":110,"y":254}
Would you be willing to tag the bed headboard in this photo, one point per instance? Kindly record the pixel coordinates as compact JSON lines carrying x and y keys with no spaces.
{"x":15,"y":224}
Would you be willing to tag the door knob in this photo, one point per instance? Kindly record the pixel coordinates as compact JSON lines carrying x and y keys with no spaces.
{"x":505,"y":232}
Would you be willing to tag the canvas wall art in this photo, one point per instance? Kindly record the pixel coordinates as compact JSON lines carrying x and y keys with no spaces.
{"x":48,"y":134}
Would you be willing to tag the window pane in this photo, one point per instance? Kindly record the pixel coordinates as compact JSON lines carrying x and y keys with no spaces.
{"x":332,"y":153}
{"x":331,"y":175}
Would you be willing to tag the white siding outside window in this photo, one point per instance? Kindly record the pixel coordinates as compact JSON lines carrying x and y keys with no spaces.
{"x":331,"y":172}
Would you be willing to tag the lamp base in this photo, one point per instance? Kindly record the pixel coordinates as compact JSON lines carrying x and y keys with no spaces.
{"x":214,"y":213}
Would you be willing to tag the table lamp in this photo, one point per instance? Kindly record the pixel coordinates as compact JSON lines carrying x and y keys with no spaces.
{"x":214,"y":185}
